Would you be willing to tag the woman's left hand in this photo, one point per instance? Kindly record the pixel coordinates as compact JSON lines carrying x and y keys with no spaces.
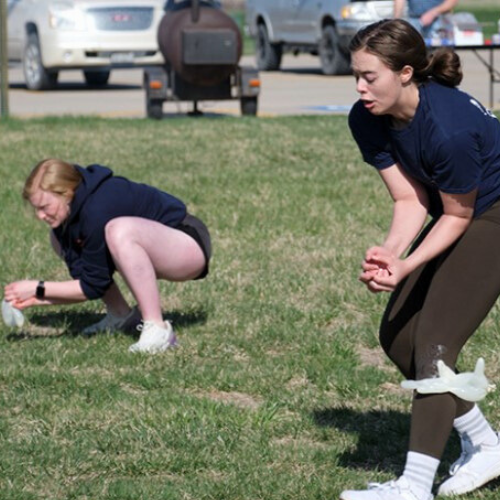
{"x":382,"y":270}
{"x":392,"y":272}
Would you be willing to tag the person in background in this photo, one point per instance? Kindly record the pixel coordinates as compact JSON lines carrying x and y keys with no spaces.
{"x":101,"y":223}
{"x":424,"y":15}
{"x":437,"y":150}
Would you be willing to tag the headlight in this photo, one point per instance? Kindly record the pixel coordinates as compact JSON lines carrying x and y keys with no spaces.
{"x":356,"y":12}
{"x":65,"y":16}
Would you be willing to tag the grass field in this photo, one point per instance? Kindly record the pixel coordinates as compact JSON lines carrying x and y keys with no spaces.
{"x":278,"y":390}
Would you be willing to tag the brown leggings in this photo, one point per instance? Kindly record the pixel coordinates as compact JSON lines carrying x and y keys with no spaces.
{"x":433,"y":313}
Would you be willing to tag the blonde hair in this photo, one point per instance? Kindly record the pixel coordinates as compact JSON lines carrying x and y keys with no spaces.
{"x":55,"y":176}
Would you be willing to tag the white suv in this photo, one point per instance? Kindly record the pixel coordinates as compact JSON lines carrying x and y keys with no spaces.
{"x":93,"y":35}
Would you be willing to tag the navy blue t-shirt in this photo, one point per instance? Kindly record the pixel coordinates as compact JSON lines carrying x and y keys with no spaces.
{"x":452,"y":145}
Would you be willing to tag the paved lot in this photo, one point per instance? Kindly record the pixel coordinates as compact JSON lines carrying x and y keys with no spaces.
{"x":299,"y":88}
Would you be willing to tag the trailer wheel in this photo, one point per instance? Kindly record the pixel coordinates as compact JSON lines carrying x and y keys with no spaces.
{"x":154,"y":108}
{"x":248,"y":106}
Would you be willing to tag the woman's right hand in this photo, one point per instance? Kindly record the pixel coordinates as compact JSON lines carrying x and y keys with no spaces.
{"x":22,"y":294}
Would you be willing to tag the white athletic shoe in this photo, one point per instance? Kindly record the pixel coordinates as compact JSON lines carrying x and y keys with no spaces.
{"x":154,"y":338}
{"x":112,"y":323}
{"x":393,"y":490}
{"x":476,"y":466}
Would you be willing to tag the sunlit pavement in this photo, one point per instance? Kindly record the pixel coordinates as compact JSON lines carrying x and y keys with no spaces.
{"x":299,"y":88}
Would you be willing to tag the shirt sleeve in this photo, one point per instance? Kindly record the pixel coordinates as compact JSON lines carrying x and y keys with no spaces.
{"x":96,"y":264}
{"x":458,"y":167}
{"x":372,"y":137}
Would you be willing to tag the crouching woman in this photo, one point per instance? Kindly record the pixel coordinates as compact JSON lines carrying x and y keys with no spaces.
{"x":101,"y":223}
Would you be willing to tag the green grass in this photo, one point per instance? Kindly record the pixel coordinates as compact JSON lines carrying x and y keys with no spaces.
{"x":248,"y":42}
{"x":278,"y":391}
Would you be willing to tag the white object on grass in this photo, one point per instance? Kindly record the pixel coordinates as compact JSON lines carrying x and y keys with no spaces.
{"x":471,"y":386}
{"x":11,"y":316}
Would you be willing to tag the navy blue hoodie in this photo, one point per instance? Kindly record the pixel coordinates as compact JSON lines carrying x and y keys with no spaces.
{"x":99,"y":198}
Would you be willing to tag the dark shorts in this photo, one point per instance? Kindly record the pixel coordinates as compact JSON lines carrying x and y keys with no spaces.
{"x":195,"y":228}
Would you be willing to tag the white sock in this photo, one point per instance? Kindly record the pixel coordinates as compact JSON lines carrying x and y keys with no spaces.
{"x":420,"y":470}
{"x":475,"y":426}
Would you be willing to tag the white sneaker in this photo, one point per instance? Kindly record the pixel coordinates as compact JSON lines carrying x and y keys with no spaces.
{"x":111,"y":323}
{"x":393,"y":490}
{"x":154,"y":338}
{"x":476,"y":466}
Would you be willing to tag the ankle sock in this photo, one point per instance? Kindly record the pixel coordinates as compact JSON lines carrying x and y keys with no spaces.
{"x":475,"y":426}
{"x":420,"y":470}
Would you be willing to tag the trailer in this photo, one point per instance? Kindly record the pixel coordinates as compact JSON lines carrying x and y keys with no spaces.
{"x":202,"y":46}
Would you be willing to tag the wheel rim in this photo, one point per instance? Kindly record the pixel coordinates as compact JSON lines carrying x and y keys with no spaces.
{"x":32,"y":65}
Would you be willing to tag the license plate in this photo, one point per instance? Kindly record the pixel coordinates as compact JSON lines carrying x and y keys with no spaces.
{"x":122,"y":57}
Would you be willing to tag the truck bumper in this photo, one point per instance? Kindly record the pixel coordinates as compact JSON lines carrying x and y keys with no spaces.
{"x":61,"y":50}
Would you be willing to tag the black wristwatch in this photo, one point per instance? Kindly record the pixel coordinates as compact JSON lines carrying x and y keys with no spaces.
{"x":40,"y":290}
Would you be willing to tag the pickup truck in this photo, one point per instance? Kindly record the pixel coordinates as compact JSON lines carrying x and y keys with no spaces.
{"x":96,"y":36}
{"x":319,"y":27}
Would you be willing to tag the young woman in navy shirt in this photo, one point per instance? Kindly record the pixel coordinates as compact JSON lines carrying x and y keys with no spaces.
{"x":101,"y":223}
{"x":437,"y":150}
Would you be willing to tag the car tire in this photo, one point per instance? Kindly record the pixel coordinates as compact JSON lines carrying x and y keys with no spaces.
{"x":96,"y":78}
{"x":36,"y":76}
{"x":268,"y":54}
{"x":333,"y":60}
{"x":248,"y":106}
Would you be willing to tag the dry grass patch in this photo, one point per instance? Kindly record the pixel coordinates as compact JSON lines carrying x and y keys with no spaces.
{"x":374,"y":357}
{"x":302,"y":442}
{"x":238,"y":399}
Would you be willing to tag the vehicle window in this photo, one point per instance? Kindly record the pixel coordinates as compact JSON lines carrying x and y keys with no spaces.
{"x":174,"y":4}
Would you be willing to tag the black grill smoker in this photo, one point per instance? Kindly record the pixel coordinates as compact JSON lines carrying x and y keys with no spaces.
{"x":201,"y":46}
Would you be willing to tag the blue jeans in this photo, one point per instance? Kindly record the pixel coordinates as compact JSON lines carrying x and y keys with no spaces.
{"x":428,"y":32}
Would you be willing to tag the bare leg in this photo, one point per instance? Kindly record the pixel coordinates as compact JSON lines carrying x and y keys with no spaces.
{"x":115,"y":302}
{"x":144,"y":251}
